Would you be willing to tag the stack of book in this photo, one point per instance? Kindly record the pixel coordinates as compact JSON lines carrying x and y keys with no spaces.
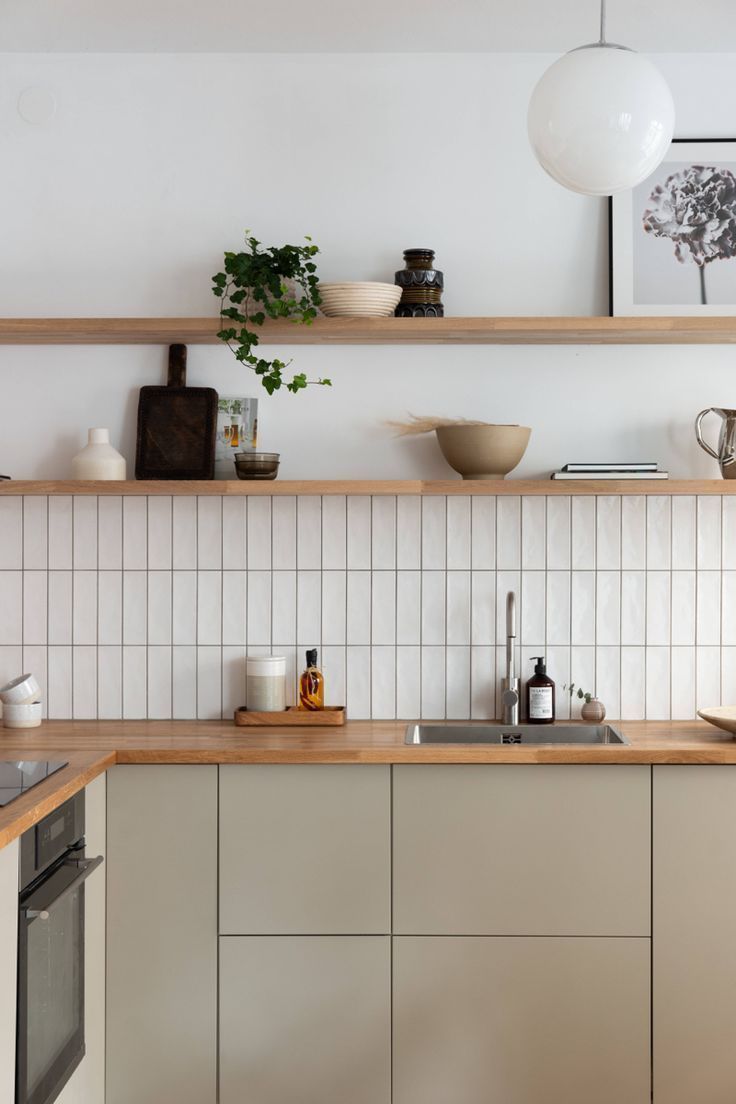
{"x":634,"y":470}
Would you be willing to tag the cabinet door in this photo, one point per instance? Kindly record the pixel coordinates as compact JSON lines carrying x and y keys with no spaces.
{"x":305,"y":850}
{"x":305,"y":1020}
{"x":162,"y":935}
{"x":694,"y":934}
{"x":521,"y":1021}
{"x":8,"y":966}
{"x":522,"y":850}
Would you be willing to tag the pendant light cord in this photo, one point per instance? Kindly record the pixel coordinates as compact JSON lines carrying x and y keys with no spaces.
{"x":602,"y":39}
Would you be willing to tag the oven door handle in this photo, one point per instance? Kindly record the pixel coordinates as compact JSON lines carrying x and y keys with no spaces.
{"x":37,"y":906}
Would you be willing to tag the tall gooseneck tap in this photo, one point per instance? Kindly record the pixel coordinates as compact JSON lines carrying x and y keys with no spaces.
{"x":511,"y":696}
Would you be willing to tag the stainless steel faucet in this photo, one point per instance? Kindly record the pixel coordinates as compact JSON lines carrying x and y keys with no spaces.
{"x":511,"y":694}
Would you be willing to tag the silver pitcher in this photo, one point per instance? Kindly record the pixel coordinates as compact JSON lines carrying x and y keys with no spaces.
{"x":726,"y":454}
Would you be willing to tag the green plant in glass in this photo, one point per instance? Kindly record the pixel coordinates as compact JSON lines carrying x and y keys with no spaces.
{"x":260,"y":283}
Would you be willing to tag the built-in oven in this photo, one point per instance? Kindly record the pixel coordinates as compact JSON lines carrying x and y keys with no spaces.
{"x":50,"y":1022}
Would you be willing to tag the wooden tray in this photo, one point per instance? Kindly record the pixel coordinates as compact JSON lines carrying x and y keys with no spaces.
{"x":306,"y":718}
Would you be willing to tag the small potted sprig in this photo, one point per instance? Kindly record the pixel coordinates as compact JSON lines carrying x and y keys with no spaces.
{"x":593,"y":711}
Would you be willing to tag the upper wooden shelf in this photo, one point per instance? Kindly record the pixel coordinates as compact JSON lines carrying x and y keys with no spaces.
{"x":378,"y":331}
{"x":232,"y":488}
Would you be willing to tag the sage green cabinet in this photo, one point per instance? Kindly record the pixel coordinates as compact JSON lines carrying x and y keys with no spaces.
{"x":305,"y":850}
{"x":522,"y":850}
{"x":520,"y":1021}
{"x":305,"y":1020}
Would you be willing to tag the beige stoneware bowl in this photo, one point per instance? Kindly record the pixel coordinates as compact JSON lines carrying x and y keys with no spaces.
{"x":722,"y":716}
{"x":483,"y":451}
{"x":359,"y":300}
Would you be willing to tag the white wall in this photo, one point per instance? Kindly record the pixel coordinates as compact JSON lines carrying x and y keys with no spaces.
{"x":152,"y":165}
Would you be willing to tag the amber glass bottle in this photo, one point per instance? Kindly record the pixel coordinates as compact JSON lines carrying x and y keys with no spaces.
{"x":312,"y":684}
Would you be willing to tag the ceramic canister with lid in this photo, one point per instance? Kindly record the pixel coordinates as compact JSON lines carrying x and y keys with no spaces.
{"x":265,"y":679}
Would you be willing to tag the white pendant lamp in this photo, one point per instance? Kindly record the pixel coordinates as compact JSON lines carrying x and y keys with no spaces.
{"x":601,"y":118}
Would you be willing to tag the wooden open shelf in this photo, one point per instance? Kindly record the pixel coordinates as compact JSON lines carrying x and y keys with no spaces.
{"x":378,"y":331}
{"x":375,"y":487}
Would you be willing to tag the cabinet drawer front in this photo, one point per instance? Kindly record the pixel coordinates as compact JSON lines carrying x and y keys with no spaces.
{"x":305,"y":1019}
{"x":305,"y":850}
{"x":522,"y":850}
{"x":519,"y":1021}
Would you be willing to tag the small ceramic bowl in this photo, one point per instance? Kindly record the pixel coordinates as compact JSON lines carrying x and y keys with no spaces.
{"x":25,"y":688}
{"x":26,"y":715}
{"x":257,"y":465}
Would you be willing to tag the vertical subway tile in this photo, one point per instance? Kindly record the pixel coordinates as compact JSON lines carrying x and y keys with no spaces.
{"x":135,"y":533}
{"x":507,"y":582}
{"x":334,"y":598}
{"x":433,"y":607}
{"x":333,"y":666}
{"x":35,"y":659}
{"x":483,"y":532}
{"x":633,"y":690}
{"x":458,"y":533}
{"x":110,"y":533}
{"x":84,"y":607}
{"x":110,"y":608}
{"x":35,"y":607}
{"x":458,"y":607}
{"x":533,"y":532}
{"x":184,"y":607}
{"x":358,"y":679}
{"x":60,"y":607}
{"x":608,"y":532}
{"x":682,"y":662}
{"x":582,"y":606}
{"x":458,"y":683}
{"x":434,"y":532}
{"x":708,"y":677}
{"x":259,"y":608}
{"x":60,"y":682}
{"x":633,"y":532}
{"x":659,"y":532}
{"x":11,"y":663}
{"x":84,"y":683}
{"x":608,"y":608}
{"x":408,"y":532}
{"x":209,"y":607}
{"x":558,"y":668}
{"x":633,"y":607}
{"x":383,"y":607}
{"x":84,"y":523}
{"x":159,"y":533}
{"x":60,"y":532}
{"x":233,"y":679}
{"x":309,"y":533}
{"x":658,"y":607}
{"x":709,"y":532}
{"x":708,"y":607}
{"x":728,"y":675}
{"x":657,"y":683}
{"x":608,"y":678}
{"x":583,"y":532}
{"x":483,"y":608}
{"x":308,"y":608}
{"x":233,"y":608}
{"x":109,"y":683}
{"x":259,"y":533}
{"x":433,"y":683}
{"x":209,"y":533}
{"x":209,"y":684}
{"x":582,"y":673}
{"x":558,"y":608}
{"x":383,"y":532}
{"x":408,"y":607}
{"x":135,"y":682}
{"x":184,"y":682}
{"x":359,"y":607}
{"x":159,"y":608}
{"x":508,"y":532}
{"x":334,"y":532}
{"x":234,"y":533}
{"x":135,"y":607}
{"x":35,"y":532}
{"x":159,"y":683}
{"x":500,"y":675}
{"x":533,"y":608}
{"x":359,"y":532}
{"x":482,"y":683}
{"x":408,"y":683}
{"x":728,"y":532}
{"x":558,"y":532}
{"x":11,"y":532}
{"x":683,"y":608}
{"x":728,"y":607}
{"x":383,"y":683}
{"x":683,"y":532}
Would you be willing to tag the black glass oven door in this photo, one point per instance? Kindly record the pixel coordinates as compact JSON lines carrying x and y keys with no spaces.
{"x":50,"y":1039}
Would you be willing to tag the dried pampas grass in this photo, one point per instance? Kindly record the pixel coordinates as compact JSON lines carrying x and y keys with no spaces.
{"x":419,"y":423}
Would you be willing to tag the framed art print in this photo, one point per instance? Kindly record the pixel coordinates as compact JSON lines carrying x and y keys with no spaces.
{"x":673,"y":237}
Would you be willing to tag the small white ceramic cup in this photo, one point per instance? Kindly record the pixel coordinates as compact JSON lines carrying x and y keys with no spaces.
{"x":20,"y":691}
{"x":24,"y":715}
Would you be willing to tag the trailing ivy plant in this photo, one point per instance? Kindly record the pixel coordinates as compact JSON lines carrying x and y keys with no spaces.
{"x":260,"y":283}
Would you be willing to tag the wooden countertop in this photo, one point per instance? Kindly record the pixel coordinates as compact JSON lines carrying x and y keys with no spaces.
{"x":91,"y":747}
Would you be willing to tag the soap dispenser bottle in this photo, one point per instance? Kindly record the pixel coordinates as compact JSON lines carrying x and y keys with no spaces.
{"x":540,"y":695}
{"x":312,"y":684}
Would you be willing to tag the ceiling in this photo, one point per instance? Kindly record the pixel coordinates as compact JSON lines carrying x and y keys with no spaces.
{"x":361,"y":25}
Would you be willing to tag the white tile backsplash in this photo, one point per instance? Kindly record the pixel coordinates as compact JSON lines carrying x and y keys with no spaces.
{"x":633,"y":596}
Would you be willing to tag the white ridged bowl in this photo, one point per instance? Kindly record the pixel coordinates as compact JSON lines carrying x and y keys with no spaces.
{"x":359,"y":300}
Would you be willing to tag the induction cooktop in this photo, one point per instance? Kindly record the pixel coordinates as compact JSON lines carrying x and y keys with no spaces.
{"x":20,"y":775}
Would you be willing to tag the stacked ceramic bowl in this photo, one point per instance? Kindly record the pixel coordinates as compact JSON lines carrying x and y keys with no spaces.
{"x":21,"y":702}
{"x":359,"y":300}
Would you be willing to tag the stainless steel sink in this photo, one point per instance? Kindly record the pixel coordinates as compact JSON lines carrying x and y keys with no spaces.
{"x":461,"y":733}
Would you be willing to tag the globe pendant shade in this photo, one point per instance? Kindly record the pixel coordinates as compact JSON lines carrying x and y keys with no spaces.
{"x":601,"y":119}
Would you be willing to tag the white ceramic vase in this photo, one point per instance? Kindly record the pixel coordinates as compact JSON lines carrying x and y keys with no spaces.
{"x":98,"y":459}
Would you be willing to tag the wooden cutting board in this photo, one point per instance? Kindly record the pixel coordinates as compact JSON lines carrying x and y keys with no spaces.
{"x":176,"y":426}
